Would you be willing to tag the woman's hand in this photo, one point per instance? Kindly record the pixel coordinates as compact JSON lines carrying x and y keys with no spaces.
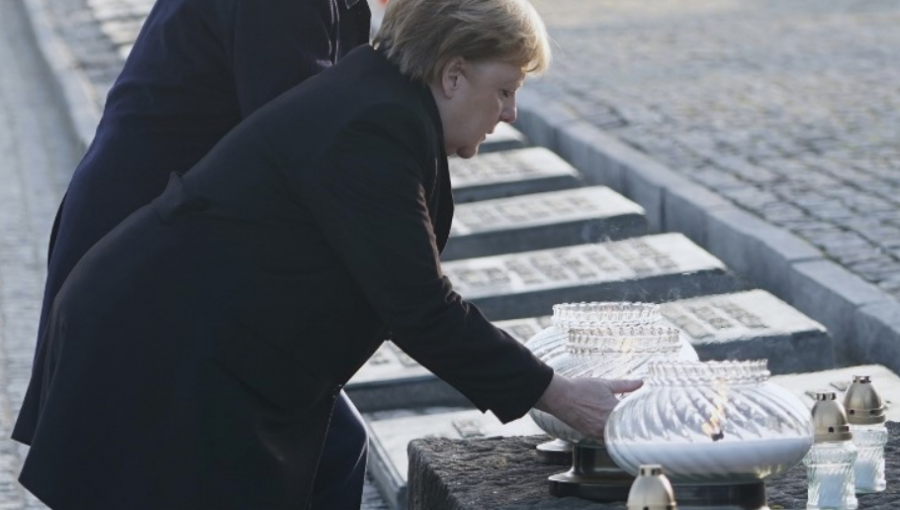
{"x":584,"y":403}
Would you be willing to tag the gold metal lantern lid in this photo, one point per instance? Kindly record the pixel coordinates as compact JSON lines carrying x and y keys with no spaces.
{"x":651,"y":490}
{"x":830,"y":419}
{"x":863,"y":404}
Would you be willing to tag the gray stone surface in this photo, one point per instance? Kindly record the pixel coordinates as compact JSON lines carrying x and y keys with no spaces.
{"x":805,"y":385}
{"x":502,"y":474}
{"x":391,"y":380}
{"x":877,"y":329}
{"x":504,"y":138}
{"x":510,"y":173}
{"x":390,"y":433}
{"x":37,"y":153}
{"x":752,"y":325}
{"x":765,"y":253}
{"x":542,"y":220}
{"x":830,"y":290}
{"x":655,"y":268}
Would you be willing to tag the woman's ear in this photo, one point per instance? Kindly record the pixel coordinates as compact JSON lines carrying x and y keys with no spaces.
{"x":451,"y":76}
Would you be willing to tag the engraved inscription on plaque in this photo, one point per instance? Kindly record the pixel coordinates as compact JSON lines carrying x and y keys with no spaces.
{"x":523,"y":329}
{"x":508,"y":166}
{"x":504,"y":137}
{"x":390,"y":362}
{"x":749,"y":325}
{"x":743,"y":315}
{"x":578,"y":265}
{"x":595,"y":202}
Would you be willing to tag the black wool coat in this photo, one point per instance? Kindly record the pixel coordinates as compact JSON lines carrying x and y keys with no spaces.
{"x":198,"y":68}
{"x":194,"y":352}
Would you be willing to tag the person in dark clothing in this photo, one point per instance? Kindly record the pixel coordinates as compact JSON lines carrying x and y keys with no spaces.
{"x":198,"y":68}
{"x":194,"y":354}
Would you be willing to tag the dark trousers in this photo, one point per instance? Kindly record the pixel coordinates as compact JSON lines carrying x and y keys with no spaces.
{"x":342,"y":470}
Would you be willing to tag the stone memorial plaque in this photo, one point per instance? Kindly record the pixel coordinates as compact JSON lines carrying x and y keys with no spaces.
{"x":742,"y":325}
{"x":752,"y":325}
{"x":806,"y":385}
{"x":510,"y":173}
{"x":523,"y":329}
{"x":504,"y":138}
{"x":390,"y":379}
{"x":390,"y":435}
{"x":655,"y":268}
{"x":542,"y":220}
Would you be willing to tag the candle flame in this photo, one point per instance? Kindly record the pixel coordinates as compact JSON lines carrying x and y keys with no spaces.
{"x":713,"y":426}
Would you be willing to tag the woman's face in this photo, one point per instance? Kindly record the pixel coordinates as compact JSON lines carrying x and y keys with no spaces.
{"x":472,"y":99}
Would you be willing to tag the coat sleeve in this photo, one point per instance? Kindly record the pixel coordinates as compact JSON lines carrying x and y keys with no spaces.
{"x":369,"y":198}
{"x":277,"y":44}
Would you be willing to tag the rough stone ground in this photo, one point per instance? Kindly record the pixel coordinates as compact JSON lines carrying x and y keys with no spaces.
{"x":37,"y":153}
{"x":501,"y":474}
{"x":787,"y":107}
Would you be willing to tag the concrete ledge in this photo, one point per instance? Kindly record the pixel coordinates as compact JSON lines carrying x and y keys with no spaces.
{"x":687,"y":208}
{"x":74,"y":88}
{"x":756,"y":249}
{"x":542,"y":121}
{"x":589,"y":149}
{"x":834,"y":294}
{"x":877,"y":328}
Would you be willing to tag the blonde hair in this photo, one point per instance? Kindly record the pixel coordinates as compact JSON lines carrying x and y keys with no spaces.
{"x":422,"y":36}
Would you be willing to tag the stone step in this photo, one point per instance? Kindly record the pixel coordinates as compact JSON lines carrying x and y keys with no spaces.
{"x":504,"y":138}
{"x":805,"y":385}
{"x":510,"y":173}
{"x":743,"y":325}
{"x":542,"y":220}
{"x":654,"y":268}
{"x":752,"y":325}
{"x":390,"y":433}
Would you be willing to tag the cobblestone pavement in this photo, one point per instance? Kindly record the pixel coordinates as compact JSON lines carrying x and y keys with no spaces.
{"x":37,"y":154}
{"x":790,"y":108}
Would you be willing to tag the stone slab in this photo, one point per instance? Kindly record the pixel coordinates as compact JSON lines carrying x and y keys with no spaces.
{"x":542,"y":220}
{"x":391,"y":379}
{"x":542,"y":121}
{"x":805,"y":385}
{"x":656,"y":268}
{"x":766,"y":254}
{"x":743,"y":325}
{"x":752,"y":325}
{"x":510,"y":173}
{"x":877,"y":338}
{"x":390,"y":433}
{"x":834,"y":296}
{"x":503,"y":474}
{"x":504,"y":138}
